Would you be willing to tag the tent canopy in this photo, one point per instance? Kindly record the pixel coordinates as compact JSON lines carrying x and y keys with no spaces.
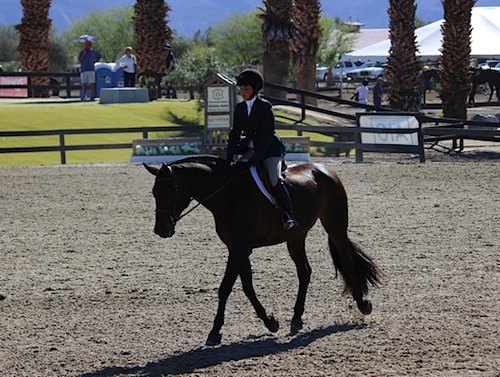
{"x":485,"y":41}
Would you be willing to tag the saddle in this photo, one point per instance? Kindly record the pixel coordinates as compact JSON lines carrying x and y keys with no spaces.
{"x":259,"y":175}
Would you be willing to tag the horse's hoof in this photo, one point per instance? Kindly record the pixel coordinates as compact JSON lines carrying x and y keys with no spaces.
{"x":365,"y":307}
{"x":213,"y":340}
{"x":272,"y":324}
{"x":296,"y":326}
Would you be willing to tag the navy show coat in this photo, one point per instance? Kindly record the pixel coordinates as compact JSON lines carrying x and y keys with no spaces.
{"x":258,"y":127}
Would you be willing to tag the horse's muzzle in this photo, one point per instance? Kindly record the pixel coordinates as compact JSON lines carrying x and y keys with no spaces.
{"x":164,"y":233}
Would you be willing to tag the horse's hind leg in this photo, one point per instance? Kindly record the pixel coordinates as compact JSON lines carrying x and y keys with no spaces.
{"x":492,"y":90}
{"x":297,"y":252}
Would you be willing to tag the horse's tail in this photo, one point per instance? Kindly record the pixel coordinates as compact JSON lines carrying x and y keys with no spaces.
{"x":356,"y":267}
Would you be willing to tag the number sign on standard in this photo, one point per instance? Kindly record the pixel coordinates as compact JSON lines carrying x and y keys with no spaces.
{"x":389,"y":121}
{"x":218,"y":99}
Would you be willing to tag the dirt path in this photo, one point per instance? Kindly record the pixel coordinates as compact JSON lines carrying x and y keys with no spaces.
{"x":89,"y":290}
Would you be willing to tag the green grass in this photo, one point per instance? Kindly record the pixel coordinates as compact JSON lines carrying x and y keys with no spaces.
{"x":55,"y":116}
{"x":77,"y":115}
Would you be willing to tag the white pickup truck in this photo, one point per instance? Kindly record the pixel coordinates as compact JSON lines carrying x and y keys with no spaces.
{"x":341,"y":68}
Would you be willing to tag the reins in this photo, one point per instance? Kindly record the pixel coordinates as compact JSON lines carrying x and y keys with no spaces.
{"x":204,"y":200}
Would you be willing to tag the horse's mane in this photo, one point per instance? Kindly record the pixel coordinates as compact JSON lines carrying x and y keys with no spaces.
{"x":207,"y":160}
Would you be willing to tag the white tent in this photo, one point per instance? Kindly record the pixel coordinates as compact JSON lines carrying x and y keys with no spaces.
{"x":485,"y":41}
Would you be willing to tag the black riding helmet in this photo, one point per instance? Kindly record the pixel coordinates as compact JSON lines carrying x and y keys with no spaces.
{"x":250,"y":77}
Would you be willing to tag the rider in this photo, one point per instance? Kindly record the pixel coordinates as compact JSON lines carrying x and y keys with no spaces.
{"x":255,"y":117}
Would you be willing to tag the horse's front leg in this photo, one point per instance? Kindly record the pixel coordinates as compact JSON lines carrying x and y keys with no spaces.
{"x":232,"y":270}
{"x":246,"y":280}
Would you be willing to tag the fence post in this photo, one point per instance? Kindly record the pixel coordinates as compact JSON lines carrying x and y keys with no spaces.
{"x":30,"y":83}
{"x":68,"y":86}
{"x":302,"y":110}
{"x":62,"y":148}
{"x":420,"y":135}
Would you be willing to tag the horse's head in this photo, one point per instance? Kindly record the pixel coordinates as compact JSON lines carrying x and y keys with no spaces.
{"x":170,"y":199}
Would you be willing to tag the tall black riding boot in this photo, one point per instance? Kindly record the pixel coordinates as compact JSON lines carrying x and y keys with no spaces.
{"x":281,"y":193}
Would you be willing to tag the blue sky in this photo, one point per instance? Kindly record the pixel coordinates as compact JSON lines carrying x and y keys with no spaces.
{"x":187,"y":16}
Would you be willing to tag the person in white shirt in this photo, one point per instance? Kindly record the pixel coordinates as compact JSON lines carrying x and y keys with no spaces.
{"x":129,"y":64}
{"x":361,"y":94}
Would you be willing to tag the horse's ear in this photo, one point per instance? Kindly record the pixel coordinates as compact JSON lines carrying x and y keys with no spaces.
{"x":151,"y":169}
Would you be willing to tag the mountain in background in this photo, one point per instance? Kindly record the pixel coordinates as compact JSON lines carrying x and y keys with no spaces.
{"x":189,"y":16}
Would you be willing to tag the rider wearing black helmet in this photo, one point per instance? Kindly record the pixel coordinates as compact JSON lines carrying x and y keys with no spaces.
{"x":254,"y":117}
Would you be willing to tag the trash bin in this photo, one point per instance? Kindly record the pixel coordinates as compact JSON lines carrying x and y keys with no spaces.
{"x":104,"y":76}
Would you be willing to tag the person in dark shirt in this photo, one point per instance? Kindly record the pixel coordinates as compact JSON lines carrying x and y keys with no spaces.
{"x":254,"y":117}
{"x":171,"y":92}
{"x":378,"y":93}
{"x":87,"y":57}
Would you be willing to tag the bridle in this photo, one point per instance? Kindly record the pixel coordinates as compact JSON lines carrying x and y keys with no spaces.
{"x":177,"y":190}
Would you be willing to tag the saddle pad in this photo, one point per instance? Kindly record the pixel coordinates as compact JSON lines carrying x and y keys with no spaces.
{"x":261,"y":186}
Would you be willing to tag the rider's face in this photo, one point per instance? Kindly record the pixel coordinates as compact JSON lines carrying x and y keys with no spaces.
{"x":246,"y":91}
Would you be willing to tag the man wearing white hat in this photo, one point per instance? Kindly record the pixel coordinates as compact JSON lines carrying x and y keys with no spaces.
{"x":129,"y":63}
{"x":87,"y":58}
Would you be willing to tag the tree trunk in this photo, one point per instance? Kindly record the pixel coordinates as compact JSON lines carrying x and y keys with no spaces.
{"x":276,"y":32}
{"x":34,"y":44}
{"x":151,"y":35}
{"x":455,"y":60}
{"x":306,"y":33}
{"x":403,"y":66}
{"x":306,"y":78}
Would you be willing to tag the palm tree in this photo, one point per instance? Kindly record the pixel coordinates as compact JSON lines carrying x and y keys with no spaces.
{"x":276,"y":31}
{"x":455,"y":59}
{"x":403,"y":66}
{"x":34,"y":44}
{"x":151,"y":35}
{"x":306,"y":33}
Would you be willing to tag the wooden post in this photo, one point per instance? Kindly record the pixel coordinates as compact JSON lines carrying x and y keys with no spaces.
{"x":63,"y":148}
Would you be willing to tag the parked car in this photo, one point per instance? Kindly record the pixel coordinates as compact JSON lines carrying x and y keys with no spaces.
{"x":342,"y":68}
{"x":369,"y":71}
{"x":496,"y":67}
{"x":322,"y":73}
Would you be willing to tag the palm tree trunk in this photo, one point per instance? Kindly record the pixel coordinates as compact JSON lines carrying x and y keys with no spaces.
{"x":276,"y":31}
{"x":306,"y":34}
{"x":455,"y":60}
{"x":403,"y":66}
{"x":34,"y":44}
{"x":151,"y":35}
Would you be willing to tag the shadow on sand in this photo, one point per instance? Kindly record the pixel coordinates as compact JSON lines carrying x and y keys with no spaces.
{"x":204,"y":357}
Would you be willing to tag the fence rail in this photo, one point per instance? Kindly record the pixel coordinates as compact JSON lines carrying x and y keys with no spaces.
{"x":433,"y":131}
{"x":62,"y":148}
{"x":66,"y":81}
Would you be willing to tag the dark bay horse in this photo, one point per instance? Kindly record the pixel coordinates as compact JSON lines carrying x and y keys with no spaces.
{"x":245,"y":219}
{"x":485,"y":76}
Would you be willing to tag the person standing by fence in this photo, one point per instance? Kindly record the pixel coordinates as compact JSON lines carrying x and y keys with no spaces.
{"x":170,"y":66}
{"x":361,"y":94}
{"x":378,"y":93}
{"x":129,"y":63}
{"x":87,"y":57}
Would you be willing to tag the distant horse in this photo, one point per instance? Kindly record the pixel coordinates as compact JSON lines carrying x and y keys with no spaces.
{"x":483,"y":76}
{"x":245,"y":219}
{"x":428,"y":78}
